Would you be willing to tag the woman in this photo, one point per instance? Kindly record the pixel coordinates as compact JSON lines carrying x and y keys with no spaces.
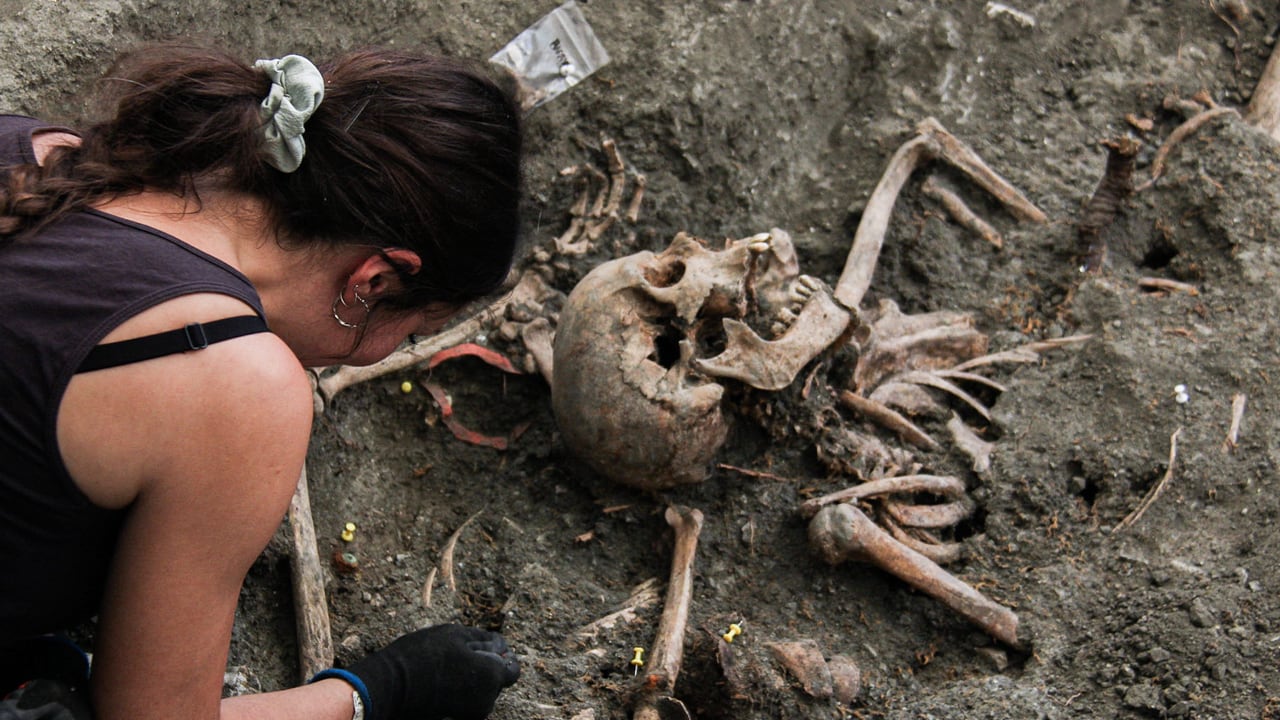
{"x":168,"y":274}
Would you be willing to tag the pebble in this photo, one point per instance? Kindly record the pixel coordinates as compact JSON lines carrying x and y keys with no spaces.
{"x":1202,"y":615}
{"x":1144,"y":697}
{"x":1156,"y":654}
{"x":996,"y":657}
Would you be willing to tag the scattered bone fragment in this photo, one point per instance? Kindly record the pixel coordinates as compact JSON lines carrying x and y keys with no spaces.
{"x":842,"y":532}
{"x":1237,"y":414}
{"x":1154,"y":493}
{"x":995,"y":10}
{"x":428,"y":587}
{"x":1143,"y":124}
{"x":1167,"y":285}
{"x":803,"y":660}
{"x":445,"y":565}
{"x":1179,"y":134}
{"x":999,"y":659}
{"x":1105,"y":204}
{"x":846,"y":678}
{"x":642,"y":596}
{"x":667,"y":652}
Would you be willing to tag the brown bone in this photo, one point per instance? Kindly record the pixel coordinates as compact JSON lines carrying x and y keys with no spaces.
{"x":668,"y":646}
{"x":842,"y":532}
{"x":933,"y":142}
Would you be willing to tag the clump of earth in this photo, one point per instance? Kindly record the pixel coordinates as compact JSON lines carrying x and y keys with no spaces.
{"x":748,"y":115}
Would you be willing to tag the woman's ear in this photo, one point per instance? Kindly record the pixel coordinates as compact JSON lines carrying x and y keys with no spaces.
{"x":379,"y":274}
{"x":408,"y":260}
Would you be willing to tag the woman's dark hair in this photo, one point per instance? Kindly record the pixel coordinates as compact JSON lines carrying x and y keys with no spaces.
{"x":405,"y":151}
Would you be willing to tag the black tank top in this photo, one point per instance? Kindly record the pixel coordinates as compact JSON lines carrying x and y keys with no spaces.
{"x":61,"y":292}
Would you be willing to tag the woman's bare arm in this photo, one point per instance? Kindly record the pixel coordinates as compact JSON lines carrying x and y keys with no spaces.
{"x":215,"y":441}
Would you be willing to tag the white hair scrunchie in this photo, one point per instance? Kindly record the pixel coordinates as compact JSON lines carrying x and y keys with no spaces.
{"x":297,"y":88}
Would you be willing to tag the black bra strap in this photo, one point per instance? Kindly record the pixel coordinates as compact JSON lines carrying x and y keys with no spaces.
{"x":196,"y":336}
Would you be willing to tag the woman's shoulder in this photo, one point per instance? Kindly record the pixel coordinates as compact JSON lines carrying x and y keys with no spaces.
{"x":245,"y":400}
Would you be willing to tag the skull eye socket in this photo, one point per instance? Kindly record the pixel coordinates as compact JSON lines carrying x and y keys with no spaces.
{"x":666,"y":347}
{"x":664,"y":274}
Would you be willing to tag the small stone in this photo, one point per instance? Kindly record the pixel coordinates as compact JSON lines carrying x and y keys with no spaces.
{"x":1144,"y":696}
{"x":846,"y":678}
{"x":997,"y":658}
{"x":1077,"y":485}
{"x":1201,"y":613}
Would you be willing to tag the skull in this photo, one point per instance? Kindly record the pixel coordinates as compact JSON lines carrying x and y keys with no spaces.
{"x":635,"y":389}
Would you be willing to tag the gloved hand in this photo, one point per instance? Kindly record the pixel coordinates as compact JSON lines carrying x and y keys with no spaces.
{"x":445,"y":671}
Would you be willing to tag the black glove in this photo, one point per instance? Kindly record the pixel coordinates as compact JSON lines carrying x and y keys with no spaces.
{"x":445,"y":671}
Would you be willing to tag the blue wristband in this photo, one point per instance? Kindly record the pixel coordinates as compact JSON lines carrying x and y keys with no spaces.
{"x":351,"y":680}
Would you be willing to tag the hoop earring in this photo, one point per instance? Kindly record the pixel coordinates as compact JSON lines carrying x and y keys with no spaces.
{"x":355,"y":291}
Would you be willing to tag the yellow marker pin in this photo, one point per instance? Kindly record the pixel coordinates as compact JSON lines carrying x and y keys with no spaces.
{"x":734,"y":631}
{"x":349,"y":532}
{"x":406,"y":387}
{"x":638,"y":660}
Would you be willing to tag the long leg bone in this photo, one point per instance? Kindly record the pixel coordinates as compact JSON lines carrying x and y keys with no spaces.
{"x":668,"y":647}
{"x":933,"y":142}
{"x":843,"y":532}
{"x":315,"y":639}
